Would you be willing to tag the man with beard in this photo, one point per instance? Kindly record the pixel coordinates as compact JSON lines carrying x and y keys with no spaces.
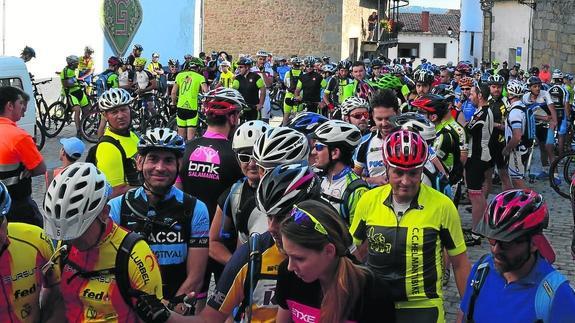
{"x":173,"y":223}
{"x":356,"y":111}
{"x":516,"y":281}
{"x":499,"y":106}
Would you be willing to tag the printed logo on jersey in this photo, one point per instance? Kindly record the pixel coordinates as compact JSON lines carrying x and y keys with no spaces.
{"x":264,"y":293}
{"x":94,"y":295}
{"x":20,"y":275}
{"x":205,"y":163}
{"x":377,"y":241}
{"x":25,"y":291}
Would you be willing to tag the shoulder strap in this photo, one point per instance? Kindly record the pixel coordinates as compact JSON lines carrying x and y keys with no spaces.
{"x":546,"y":293}
{"x":349,"y":190}
{"x":476,"y":283}
{"x":234,"y":199}
{"x":116,"y":143}
{"x":189,"y":204}
{"x":122,"y":261}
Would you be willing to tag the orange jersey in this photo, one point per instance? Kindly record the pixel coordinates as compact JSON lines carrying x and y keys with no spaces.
{"x":98,"y":299}
{"x":27,"y":250}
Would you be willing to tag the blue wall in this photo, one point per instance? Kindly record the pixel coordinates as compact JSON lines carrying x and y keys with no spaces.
{"x":167,"y":28}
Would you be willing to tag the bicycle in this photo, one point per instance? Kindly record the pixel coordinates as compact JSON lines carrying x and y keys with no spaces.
{"x":41,"y":108}
{"x":277,"y":95}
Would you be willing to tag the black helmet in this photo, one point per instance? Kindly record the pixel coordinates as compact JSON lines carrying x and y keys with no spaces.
{"x":496,"y":80}
{"x":376,"y":63}
{"x":29,"y":51}
{"x":533,"y":80}
{"x":344,"y":64}
{"x":534,"y":70}
{"x":445,"y":90}
{"x":245,"y":61}
{"x":138,"y":47}
{"x":432,"y":103}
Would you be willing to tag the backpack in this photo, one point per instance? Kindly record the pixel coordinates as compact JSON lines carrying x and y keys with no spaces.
{"x":543,"y":297}
{"x":101,"y":82}
{"x":439,"y":182}
{"x":120,"y":269}
{"x":131,"y":175}
{"x":528,"y":136}
{"x":343,"y":202}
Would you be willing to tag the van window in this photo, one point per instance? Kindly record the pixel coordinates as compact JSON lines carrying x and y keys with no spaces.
{"x":15,"y":82}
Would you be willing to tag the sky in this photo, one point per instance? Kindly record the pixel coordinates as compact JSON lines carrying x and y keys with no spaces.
{"x":450,"y":4}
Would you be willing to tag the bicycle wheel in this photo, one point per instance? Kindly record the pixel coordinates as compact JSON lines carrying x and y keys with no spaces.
{"x":89,"y":126}
{"x":39,"y":135}
{"x":566,"y":161}
{"x":55,"y":119}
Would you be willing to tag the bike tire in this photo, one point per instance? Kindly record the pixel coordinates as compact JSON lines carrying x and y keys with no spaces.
{"x":89,"y":126}
{"x":39,"y":135}
{"x":553,"y":169}
{"x":55,"y":119}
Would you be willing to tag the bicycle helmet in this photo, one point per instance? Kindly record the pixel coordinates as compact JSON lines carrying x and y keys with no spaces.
{"x":424,"y":76}
{"x":445,"y":90}
{"x":496,"y":80}
{"x":248,"y":133}
{"x":225,"y":63}
{"x":172,"y":62}
{"x":114,"y":61}
{"x":339,"y":134}
{"x":296,"y":61}
{"x":515,"y":88}
{"x":285,"y":186}
{"x":405,"y":150}
{"x":534,"y":71}
{"x":281,"y":145}
{"x":398,"y":69}
{"x":245,"y":61}
{"x":309,"y":61}
{"x":73,"y":200}
{"x":307,"y":122}
{"x":72,"y":59}
{"x":557,"y":74}
{"x":188,"y":56}
{"x":364,"y":91}
{"x":516,"y":213}
{"x":416,"y":122}
{"x":114,"y":98}
{"x":325,"y":59}
{"x":29,"y":51}
{"x":344,"y":64}
{"x":432,"y":103}
{"x":140,"y":61}
{"x":223,"y":101}
{"x":123,"y":60}
{"x":376,"y":63}
{"x":329,"y":68}
{"x":351,"y":103}
{"x":466,"y":82}
{"x":155,"y":55}
{"x":161,"y":139}
{"x":196,"y":62}
{"x":388,"y":81}
{"x":533,"y":80}
{"x":138,"y":47}
{"x":262,"y":53}
{"x":463,"y":68}
{"x":5,"y":200}
{"x":89,"y":50}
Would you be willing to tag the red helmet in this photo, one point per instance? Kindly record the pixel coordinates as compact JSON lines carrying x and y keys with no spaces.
{"x":405,"y":149}
{"x":431,"y":103}
{"x":364,"y":91}
{"x":114,"y":61}
{"x":466,"y":82}
{"x":463,"y":68}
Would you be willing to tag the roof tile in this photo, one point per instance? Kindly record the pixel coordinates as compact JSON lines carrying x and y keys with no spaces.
{"x":438,"y":23}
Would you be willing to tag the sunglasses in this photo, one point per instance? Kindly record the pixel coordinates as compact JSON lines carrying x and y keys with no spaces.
{"x":302,"y":217}
{"x":506,"y":245}
{"x":244,"y":158}
{"x":360,"y":115}
{"x":465,"y":89}
{"x":319,"y":147}
{"x":457,"y":74}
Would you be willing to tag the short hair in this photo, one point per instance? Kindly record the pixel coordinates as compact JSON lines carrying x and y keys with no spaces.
{"x":357,"y":63}
{"x":216,"y":120}
{"x":484,"y":90}
{"x":384,"y":98}
{"x":11,"y":94}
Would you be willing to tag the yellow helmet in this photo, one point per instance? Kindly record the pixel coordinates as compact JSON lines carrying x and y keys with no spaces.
{"x":140,"y":61}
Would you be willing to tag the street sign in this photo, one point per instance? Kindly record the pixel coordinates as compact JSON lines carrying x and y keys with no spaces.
{"x":518,"y":54}
{"x":120,"y":21}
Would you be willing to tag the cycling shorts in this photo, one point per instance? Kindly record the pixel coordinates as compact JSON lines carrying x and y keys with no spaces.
{"x":517,"y":164}
{"x":475,"y":173}
{"x":187,"y":118}
{"x":562,"y":122}
{"x":496,"y":151}
{"x":291,"y":108}
{"x":542,"y":132}
{"x":79,"y":98}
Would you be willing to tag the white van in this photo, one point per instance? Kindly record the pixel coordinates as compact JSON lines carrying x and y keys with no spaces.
{"x":13,"y":72}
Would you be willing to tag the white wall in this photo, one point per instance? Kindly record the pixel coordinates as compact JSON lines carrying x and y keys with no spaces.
{"x":426,"y":42}
{"x":511,"y":30}
{"x":471,"y":32}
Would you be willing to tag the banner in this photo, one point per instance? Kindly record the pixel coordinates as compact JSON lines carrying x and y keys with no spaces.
{"x":120,"y":21}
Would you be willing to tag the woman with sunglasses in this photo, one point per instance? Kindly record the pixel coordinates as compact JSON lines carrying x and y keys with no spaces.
{"x":320,"y":279}
{"x":236,"y":214}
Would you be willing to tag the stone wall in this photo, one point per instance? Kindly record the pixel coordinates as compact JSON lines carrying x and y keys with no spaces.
{"x":289,"y":27}
{"x":554,"y":34}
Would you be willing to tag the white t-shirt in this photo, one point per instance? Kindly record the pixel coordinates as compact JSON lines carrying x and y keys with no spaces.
{"x":542,"y":98}
{"x":516,"y":120}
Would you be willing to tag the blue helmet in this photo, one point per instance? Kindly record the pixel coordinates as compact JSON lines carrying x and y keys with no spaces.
{"x":307,"y":122}
{"x":5,"y":200}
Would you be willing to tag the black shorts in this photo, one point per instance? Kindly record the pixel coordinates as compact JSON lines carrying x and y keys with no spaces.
{"x":496,"y":152}
{"x":475,"y":173}
{"x":541,"y":133}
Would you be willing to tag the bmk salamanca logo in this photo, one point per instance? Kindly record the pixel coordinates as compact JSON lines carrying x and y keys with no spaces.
{"x":205,"y":163}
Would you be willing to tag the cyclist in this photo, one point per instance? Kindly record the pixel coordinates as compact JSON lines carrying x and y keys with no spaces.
{"x":186,"y":91}
{"x":86,"y":65}
{"x":20,"y":159}
{"x":306,"y":123}
{"x":356,"y":111}
{"x":280,"y":145}
{"x":73,"y":90}
{"x":72,"y":150}
{"x":369,"y":162}
{"x":108,"y":79}
{"x":264,"y":70}
{"x":499,"y":107}
{"x":465,"y":107}
{"x":236,"y":215}
{"x":95,"y":288}
{"x":359,"y":87}
{"x":125,"y":75}
{"x":335,"y":142}
{"x":173,"y":70}
{"x":27,"y":54}
{"x":318,"y":272}
{"x":145,"y":84}
{"x":337,"y":90}
{"x":116,"y":151}
{"x":516,"y":281}
{"x":546,"y":121}
{"x":155,"y":67}
{"x":517,"y":149}
{"x":311,"y":83}
{"x":392,"y":220}
{"x":277,"y":192}
{"x":209,"y":165}
{"x":252,"y":87}
{"x":561,"y":101}
{"x":136,"y":52}
{"x":291,"y":80}
{"x":226,"y":77}
{"x":26,"y":249}
{"x":376,"y":70}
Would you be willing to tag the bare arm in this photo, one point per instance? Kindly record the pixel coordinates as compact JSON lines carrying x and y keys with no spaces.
{"x":218,"y":250}
{"x":461,"y":268}
{"x":120,"y":190}
{"x":513,"y":142}
{"x":283,"y":316}
{"x":39,"y":170}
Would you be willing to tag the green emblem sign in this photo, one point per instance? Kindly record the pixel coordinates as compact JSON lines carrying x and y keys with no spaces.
{"x":120,"y":21}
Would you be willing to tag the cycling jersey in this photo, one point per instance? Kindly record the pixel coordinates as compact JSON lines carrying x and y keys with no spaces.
{"x":85,"y":64}
{"x":189,"y":87}
{"x":282,"y":70}
{"x":460,"y":131}
{"x":182,"y":229}
{"x":66,"y":75}
{"x":333,"y":190}
{"x":226,"y":79}
{"x":26,"y":251}
{"x":560,"y":97}
{"x":337,"y":90}
{"x":143,"y":79}
{"x":110,"y":162}
{"x":154,"y":68}
{"x":480,"y":128}
{"x":370,"y":156}
{"x":311,"y":85}
{"x":230,"y":291}
{"x":516,"y":119}
{"x":98,"y":299}
{"x":291,"y":79}
{"x":468,"y":109}
{"x":249,"y":85}
{"x":543,"y":100}
{"x":407,"y":253}
{"x":446,"y":144}
{"x":124,"y":78}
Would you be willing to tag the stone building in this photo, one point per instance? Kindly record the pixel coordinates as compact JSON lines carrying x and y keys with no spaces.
{"x":335,"y":28}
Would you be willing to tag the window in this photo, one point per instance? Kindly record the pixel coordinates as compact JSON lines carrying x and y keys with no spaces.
{"x":439,"y":50}
{"x":15,"y":82}
{"x":408,"y":49}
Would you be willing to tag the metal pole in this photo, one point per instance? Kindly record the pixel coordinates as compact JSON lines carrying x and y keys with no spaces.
{"x":3,"y":27}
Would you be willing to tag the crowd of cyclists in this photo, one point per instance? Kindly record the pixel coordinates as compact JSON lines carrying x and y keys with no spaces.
{"x":346,"y":211}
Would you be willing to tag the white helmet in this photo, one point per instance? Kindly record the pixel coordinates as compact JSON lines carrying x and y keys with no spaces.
{"x":281,"y":145}
{"x":73,"y":200}
{"x":248,"y":133}
{"x":114,"y":98}
{"x":351,"y":103}
{"x":516,"y":88}
{"x":416,"y":122}
{"x":338,"y":133}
